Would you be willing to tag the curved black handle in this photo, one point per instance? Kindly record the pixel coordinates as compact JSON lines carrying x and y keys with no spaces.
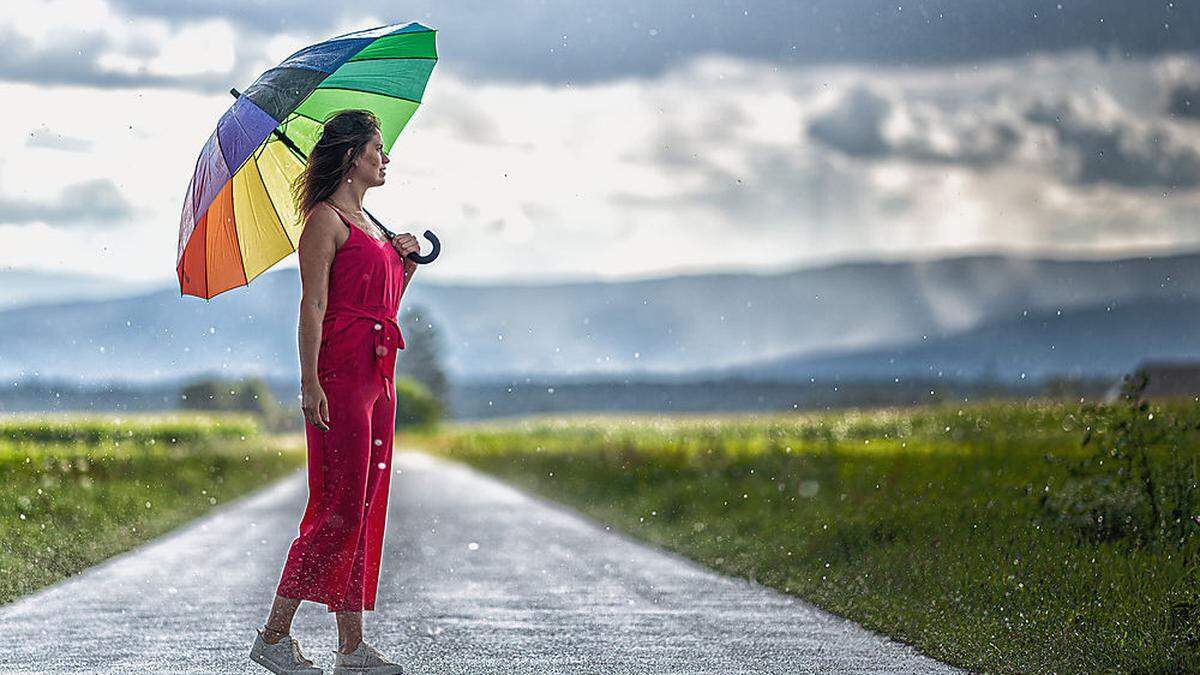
{"x":427,"y":258}
{"x":423,"y":259}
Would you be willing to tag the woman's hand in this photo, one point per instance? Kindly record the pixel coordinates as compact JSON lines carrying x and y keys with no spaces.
{"x":405,"y":243}
{"x":315,"y":405}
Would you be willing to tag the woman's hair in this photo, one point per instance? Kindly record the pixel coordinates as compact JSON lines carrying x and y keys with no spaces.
{"x":328,"y":163}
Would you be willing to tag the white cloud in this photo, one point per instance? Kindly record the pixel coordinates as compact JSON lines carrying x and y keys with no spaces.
{"x":204,"y":47}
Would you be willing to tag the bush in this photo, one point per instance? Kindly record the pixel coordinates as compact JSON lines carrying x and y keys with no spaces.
{"x":1098,"y":507}
{"x":416,"y":407}
{"x":1139,"y":483}
{"x":251,"y":395}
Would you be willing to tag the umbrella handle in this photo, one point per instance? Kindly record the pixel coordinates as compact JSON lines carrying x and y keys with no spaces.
{"x":433,"y":253}
{"x":416,"y":257}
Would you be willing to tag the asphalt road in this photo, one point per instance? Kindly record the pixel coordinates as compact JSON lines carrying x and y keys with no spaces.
{"x":477,"y":578}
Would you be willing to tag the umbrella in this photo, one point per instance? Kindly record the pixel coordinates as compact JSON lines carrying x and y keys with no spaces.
{"x":238,"y":216}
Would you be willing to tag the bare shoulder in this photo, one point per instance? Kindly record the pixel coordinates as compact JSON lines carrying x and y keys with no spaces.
{"x":323,"y":217}
{"x":323,"y":229}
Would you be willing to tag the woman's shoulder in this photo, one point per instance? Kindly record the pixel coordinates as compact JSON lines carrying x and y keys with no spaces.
{"x":324,"y":217}
{"x":322,"y":221}
{"x":322,"y":211}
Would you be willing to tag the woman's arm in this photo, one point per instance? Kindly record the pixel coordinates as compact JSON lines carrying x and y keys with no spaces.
{"x":318,"y":243}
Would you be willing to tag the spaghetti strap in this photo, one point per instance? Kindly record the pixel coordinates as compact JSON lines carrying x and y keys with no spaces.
{"x":347,"y":223}
{"x":335,"y":210}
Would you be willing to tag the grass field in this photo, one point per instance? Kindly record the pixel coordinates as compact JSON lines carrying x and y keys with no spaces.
{"x":989,"y":536}
{"x":75,"y":490}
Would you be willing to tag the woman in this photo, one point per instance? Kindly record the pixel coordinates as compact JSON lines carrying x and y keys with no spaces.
{"x":352,"y":280}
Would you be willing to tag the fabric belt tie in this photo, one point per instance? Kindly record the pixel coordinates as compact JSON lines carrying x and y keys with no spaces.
{"x":384,"y":323}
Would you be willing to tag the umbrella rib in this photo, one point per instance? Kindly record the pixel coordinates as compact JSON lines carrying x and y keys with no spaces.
{"x":392,"y":58}
{"x":271,"y":201}
{"x":287,"y":142}
{"x":365,"y":91}
{"x":291,"y":146}
{"x":307,"y":117}
{"x":207,"y":287}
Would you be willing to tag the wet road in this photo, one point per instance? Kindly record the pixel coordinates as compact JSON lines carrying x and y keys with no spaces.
{"x":477,"y":578}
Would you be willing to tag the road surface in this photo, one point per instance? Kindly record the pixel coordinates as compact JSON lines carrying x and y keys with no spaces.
{"x":477,"y":577}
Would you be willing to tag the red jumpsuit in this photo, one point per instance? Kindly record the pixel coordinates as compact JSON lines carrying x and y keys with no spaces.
{"x":335,"y":560}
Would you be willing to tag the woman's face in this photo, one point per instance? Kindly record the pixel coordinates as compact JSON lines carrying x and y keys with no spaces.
{"x":371,"y":165}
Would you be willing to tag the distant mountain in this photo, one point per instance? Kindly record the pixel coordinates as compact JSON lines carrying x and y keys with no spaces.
{"x":30,"y":287}
{"x":674,"y":325}
{"x":1092,"y":342}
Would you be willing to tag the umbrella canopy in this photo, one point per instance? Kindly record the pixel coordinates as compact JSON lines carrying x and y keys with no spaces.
{"x":238,"y":215}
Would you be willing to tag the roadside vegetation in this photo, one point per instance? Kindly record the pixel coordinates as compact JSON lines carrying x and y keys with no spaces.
{"x":76,"y":489}
{"x":1006,"y":537}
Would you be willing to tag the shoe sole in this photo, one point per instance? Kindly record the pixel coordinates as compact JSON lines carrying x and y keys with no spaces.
{"x":262,"y":661}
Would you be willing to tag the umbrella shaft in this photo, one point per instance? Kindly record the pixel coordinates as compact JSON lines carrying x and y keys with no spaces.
{"x":287,"y":142}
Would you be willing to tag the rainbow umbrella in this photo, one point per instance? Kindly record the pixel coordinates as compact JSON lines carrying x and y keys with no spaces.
{"x":238,"y":216}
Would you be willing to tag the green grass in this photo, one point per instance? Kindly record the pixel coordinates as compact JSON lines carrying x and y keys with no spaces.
{"x":927,"y":525}
{"x":79,"y":489}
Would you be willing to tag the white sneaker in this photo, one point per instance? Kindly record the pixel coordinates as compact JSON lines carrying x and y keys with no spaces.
{"x":282,"y":657}
{"x":364,"y":659}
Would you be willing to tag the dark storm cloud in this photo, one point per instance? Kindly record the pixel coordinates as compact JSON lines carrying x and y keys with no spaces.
{"x":582,"y":41}
{"x":80,"y":204}
{"x":1118,"y":150}
{"x":1185,"y":101}
{"x":1097,"y":140}
{"x":855,"y":126}
{"x":77,"y":63}
{"x":777,"y":179}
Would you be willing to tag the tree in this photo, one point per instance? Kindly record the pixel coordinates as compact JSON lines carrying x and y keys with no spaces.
{"x":415,"y":405}
{"x":421,"y":358}
{"x":251,"y":395}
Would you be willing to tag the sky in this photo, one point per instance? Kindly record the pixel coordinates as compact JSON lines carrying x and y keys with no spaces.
{"x":581,"y":140}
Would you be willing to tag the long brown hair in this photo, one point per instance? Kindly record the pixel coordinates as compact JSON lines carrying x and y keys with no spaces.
{"x":328,"y":163}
